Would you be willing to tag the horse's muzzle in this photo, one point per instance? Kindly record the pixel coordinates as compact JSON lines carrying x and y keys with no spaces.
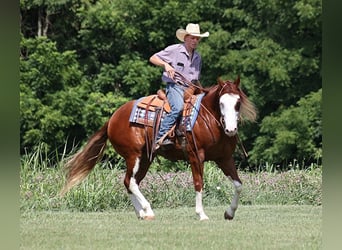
{"x":227,"y":131}
{"x":230,"y":133}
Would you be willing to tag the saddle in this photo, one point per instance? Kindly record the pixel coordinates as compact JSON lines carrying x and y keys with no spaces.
{"x":150,"y":110}
{"x":153,"y":102}
{"x":159,"y":101}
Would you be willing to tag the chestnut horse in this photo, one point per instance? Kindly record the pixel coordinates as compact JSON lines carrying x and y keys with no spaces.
{"x":213,"y":138}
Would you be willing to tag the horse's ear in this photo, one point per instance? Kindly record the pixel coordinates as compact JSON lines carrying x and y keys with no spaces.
{"x":219,"y":81}
{"x":237,"y":81}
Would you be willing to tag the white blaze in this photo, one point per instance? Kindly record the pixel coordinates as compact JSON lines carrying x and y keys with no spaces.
{"x":228,"y":112}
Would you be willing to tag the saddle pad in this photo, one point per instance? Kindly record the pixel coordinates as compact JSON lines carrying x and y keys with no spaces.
{"x":139,"y":115}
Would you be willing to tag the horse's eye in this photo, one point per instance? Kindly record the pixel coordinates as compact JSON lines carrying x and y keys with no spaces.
{"x":221,"y":105}
{"x":237,"y":106}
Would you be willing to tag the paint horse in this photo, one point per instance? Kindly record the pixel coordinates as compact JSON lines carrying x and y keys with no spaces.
{"x":213,"y":138}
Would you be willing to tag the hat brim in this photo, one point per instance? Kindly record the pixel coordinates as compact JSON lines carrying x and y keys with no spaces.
{"x":181,"y":33}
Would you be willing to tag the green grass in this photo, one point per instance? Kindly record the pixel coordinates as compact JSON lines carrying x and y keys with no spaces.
{"x":104,"y":190}
{"x":254,"y":227}
{"x":279,"y":210}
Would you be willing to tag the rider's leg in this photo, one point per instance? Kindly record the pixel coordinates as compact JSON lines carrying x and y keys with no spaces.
{"x":175,"y":95}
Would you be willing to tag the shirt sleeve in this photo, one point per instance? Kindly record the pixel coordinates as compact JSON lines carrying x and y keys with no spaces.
{"x":167,"y":54}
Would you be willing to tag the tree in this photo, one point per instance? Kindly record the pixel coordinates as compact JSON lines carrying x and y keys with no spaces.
{"x":291,"y":133}
{"x":39,"y":14}
{"x":50,"y":93}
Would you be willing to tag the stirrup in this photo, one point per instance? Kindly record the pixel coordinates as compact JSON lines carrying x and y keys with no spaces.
{"x":166,"y":142}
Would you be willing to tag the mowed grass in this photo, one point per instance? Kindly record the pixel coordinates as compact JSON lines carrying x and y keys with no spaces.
{"x":254,"y":227}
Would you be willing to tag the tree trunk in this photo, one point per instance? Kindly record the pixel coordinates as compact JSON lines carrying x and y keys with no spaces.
{"x":39,"y":33}
{"x":43,"y":22}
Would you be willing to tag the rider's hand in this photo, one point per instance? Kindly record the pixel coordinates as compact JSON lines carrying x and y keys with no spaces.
{"x":170,"y":70}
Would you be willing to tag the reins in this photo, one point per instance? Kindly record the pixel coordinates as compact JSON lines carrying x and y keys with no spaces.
{"x":189,"y":83}
{"x":245,"y":154}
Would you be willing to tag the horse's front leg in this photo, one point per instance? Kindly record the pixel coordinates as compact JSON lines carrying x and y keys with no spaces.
{"x":230,"y":171}
{"x":199,"y":206}
{"x":230,"y":212}
{"x":197,"y":175}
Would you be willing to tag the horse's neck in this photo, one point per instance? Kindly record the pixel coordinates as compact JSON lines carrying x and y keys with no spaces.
{"x":210,"y":100}
{"x":210,"y":105}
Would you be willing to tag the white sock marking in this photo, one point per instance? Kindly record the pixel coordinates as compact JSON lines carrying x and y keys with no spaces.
{"x":199,"y":206}
{"x":235,"y":201}
{"x":141,"y":205}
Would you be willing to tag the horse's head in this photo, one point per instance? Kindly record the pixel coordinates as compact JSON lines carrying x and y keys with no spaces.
{"x":230,"y":103}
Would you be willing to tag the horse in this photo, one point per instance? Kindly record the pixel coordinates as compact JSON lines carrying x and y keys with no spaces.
{"x":213,"y":138}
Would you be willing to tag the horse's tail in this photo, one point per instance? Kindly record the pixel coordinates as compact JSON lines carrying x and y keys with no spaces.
{"x":80,"y":164}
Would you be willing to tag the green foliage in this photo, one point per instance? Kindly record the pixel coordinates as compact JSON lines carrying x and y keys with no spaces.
{"x":49,"y":95}
{"x":295,"y":132}
{"x":56,"y":101}
{"x":44,"y":69}
{"x":134,"y":76}
{"x":110,"y":29}
{"x":99,"y":108}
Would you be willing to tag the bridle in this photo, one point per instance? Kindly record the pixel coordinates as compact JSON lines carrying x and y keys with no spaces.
{"x":222,"y":122}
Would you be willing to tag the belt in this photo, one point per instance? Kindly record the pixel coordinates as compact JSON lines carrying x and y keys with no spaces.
{"x":180,"y":84}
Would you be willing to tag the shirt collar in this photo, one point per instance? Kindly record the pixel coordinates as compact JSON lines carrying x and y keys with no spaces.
{"x":183,"y":50}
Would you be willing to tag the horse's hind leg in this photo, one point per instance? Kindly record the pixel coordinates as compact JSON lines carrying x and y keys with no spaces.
{"x":230,"y":171}
{"x":136,"y":171}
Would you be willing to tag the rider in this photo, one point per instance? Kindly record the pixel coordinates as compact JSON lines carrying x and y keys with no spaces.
{"x":180,"y":58}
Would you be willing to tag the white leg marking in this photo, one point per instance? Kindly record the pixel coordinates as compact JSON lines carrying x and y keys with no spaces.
{"x":199,"y":206}
{"x":235,"y":201}
{"x":141,"y":205}
{"x":137,"y":207}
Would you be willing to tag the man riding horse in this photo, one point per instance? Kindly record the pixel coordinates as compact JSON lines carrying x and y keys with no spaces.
{"x":180,"y":58}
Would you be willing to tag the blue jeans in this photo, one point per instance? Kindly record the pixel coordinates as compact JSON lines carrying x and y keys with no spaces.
{"x":175,"y":96}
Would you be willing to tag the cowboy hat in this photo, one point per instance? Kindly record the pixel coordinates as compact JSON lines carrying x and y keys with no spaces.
{"x":191,"y":29}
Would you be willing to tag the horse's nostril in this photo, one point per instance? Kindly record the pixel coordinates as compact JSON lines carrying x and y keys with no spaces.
{"x":231,"y":132}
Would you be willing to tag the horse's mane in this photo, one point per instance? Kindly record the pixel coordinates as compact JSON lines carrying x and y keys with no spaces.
{"x":248,"y":111}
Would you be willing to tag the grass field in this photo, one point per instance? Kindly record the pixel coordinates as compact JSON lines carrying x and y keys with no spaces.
{"x":279,"y":209}
{"x":254,"y":227}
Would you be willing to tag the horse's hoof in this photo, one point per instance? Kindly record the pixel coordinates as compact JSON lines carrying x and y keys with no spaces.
{"x":204,"y":218}
{"x":227,"y":216}
{"x":150,"y":217}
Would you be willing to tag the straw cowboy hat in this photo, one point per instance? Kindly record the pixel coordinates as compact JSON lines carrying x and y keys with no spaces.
{"x":191,"y":29}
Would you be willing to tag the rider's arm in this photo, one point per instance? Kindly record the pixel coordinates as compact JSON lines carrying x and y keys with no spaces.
{"x":167,"y":67}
